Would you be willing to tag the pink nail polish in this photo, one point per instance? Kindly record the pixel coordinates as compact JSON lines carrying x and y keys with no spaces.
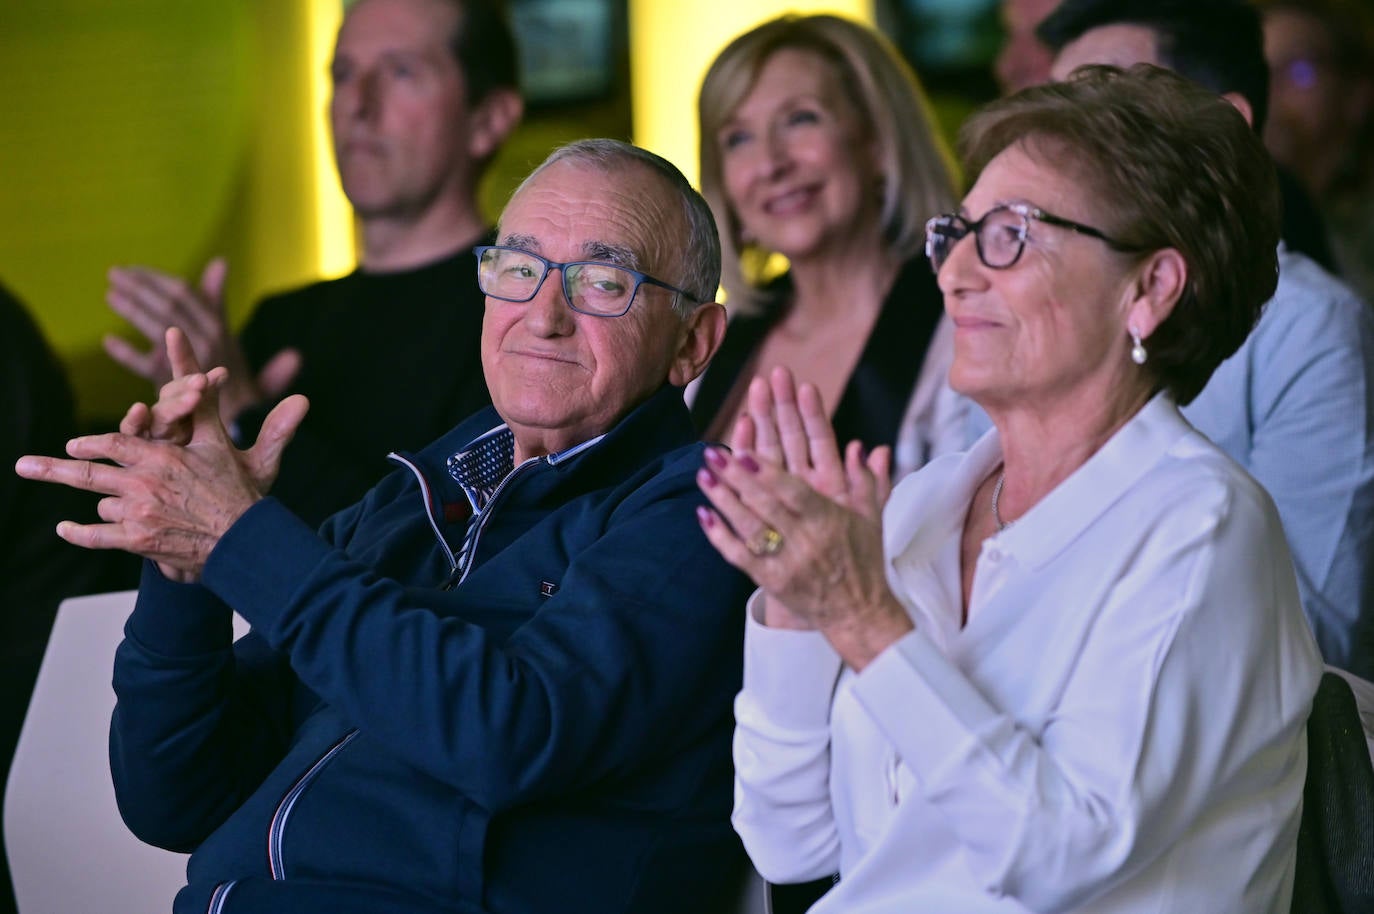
{"x":705,"y":518}
{"x":705,"y":478}
{"x":715,"y":458}
{"x":748,"y":463}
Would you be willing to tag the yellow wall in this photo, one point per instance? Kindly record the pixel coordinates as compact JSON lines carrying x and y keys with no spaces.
{"x":163,"y":132}
{"x":159,"y":132}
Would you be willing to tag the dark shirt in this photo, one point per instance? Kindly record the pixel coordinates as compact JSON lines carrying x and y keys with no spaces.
{"x":391,"y":361}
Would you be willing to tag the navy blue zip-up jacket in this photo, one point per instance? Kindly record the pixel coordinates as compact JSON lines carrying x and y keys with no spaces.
{"x":551,"y":734}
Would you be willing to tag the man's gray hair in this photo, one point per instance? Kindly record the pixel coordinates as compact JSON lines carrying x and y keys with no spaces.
{"x":701,"y":257}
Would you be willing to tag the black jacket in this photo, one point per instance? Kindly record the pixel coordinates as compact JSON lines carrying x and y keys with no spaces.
{"x":876,"y":396}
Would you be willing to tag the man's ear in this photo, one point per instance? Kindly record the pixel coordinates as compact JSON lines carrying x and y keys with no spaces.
{"x":1159,"y":284}
{"x":492,"y":121}
{"x":1241,"y":104}
{"x":698,"y":340}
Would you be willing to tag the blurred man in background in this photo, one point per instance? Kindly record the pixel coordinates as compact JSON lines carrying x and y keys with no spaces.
{"x":425,"y":92}
{"x":1321,"y":118}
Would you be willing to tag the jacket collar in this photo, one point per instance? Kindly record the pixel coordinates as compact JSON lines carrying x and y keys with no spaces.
{"x":658,"y":425}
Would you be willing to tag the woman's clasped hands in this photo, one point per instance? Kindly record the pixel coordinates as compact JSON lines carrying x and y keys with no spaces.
{"x":803,"y":521}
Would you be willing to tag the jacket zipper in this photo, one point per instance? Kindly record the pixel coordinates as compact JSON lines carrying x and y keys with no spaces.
{"x":277,"y":826}
{"x":456,"y":575}
{"x":427,"y":495}
{"x":485,"y":515}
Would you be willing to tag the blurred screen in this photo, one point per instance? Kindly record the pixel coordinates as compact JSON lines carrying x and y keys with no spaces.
{"x":566,"y":48}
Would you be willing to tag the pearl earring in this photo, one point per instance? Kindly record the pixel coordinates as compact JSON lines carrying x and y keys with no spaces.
{"x":1138,"y":354}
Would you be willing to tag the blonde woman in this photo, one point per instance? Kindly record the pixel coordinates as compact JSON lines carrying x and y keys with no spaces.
{"x":817,"y":145}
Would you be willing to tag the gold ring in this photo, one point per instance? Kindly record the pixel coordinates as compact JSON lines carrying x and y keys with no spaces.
{"x":768,"y":542}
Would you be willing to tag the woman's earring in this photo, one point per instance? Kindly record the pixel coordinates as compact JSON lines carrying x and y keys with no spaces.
{"x":1138,"y":354}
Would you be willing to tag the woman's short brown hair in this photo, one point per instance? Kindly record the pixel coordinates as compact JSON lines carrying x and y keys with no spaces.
{"x":917,"y":169}
{"x":1172,"y":165}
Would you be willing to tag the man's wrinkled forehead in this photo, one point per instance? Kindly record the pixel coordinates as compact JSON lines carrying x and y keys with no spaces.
{"x":398,"y":26}
{"x":592,"y":249}
{"x":578,"y":210}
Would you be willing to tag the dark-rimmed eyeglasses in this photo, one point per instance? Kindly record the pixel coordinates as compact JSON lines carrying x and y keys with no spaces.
{"x":1001,"y":234}
{"x":590,"y":286}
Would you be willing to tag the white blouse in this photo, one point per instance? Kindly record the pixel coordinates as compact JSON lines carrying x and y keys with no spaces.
{"x":1120,"y":727}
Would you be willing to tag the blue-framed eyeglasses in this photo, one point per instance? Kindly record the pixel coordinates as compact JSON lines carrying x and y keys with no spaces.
{"x":590,"y":286}
{"x":1001,"y":234}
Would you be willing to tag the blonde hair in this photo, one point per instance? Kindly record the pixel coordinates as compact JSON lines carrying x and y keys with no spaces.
{"x":917,"y":168}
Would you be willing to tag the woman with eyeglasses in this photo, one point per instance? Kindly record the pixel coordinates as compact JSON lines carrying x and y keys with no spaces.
{"x":1069,"y":671}
{"x":818,"y":151}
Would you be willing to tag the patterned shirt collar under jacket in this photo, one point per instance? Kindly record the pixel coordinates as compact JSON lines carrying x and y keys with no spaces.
{"x":483,"y":465}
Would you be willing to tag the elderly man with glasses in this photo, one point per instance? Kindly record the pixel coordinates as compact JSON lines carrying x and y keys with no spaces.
{"x":503,"y":680}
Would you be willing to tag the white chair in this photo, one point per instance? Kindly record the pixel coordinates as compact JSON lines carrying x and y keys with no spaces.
{"x":68,"y":848}
{"x":753,"y":895}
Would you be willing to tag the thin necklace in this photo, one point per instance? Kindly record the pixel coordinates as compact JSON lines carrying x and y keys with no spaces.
{"x":996,"y":494}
